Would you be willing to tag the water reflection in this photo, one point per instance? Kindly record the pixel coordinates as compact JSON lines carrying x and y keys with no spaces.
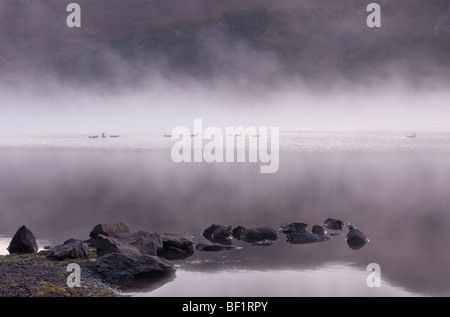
{"x":332,"y":280}
{"x":399,"y":200}
{"x":145,"y":285}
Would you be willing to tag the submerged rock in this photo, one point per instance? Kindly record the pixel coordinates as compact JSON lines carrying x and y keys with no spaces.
{"x":254,"y":235}
{"x":23,"y":242}
{"x":356,"y":239}
{"x":216,"y":247}
{"x":117,"y":267}
{"x":305,"y":238}
{"x":109,"y":229}
{"x":333,"y":224}
{"x":319,"y":230}
{"x":70,"y":249}
{"x":293,"y":227}
{"x":218,"y":234}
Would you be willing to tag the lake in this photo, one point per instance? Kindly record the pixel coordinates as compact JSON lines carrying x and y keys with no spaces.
{"x":393,"y":188}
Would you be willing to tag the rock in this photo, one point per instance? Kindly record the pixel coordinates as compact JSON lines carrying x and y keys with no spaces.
{"x":216,"y":247}
{"x":106,"y":245}
{"x":237,"y":232}
{"x":147,"y":242}
{"x":71,"y":249}
{"x":334,"y":224}
{"x":305,"y":238}
{"x":294,"y":227}
{"x":253,"y":235}
{"x":319,"y":230}
{"x":110,"y":229}
{"x":356,"y":239}
{"x":71,"y":240}
{"x":23,"y":242}
{"x":90,"y":243}
{"x":176,"y":246}
{"x":175,"y":251}
{"x":181,"y":241}
{"x":218,"y":233}
{"x":118,"y":267}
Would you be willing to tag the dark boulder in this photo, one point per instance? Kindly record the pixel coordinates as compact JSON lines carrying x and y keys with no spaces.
{"x":356,"y":239}
{"x":70,"y":249}
{"x":181,"y":241}
{"x":109,"y":229}
{"x":147,"y":242}
{"x":333,"y":224}
{"x":173,"y":251}
{"x":216,"y":247}
{"x":294,"y":227}
{"x":118,"y":267}
{"x":253,"y":235}
{"x":305,"y":238}
{"x":23,"y":242}
{"x":176,"y":246}
{"x":237,"y":232}
{"x":90,"y":243}
{"x":71,"y":240}
{"x":319,"y":230}
{"x":106,"y":245}
{"x":218,"y":234}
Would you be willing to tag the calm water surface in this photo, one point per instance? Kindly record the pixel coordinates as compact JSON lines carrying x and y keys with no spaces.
{"x":393,"y":188}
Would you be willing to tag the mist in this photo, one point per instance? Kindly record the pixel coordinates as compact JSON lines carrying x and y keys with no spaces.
{"x":164,"y":105}
{"x":141,"y":68}
{"x":398,"y":200}
{"x":295,"y":65}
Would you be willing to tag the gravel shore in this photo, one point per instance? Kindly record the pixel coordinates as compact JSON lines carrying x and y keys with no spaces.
{"x":35,"y":275}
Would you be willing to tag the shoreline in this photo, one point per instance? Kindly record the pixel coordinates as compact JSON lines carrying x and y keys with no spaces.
{"x":34,"y":275}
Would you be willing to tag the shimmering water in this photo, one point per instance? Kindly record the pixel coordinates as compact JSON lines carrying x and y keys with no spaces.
{"x":297,"y":141}
{"x":394,"y":188}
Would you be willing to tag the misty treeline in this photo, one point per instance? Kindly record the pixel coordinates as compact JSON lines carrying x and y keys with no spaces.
{"x":318,"y":41}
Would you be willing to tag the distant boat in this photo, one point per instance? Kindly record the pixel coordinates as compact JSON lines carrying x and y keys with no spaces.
{"x":103,"y":135}
{"x":93,"y":137}
{"x":412,"y":136}
{"x":167,"y":135}
{"x":114,"y":136}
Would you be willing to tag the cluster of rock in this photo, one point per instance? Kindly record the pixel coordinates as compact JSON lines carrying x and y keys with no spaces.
{"x":123,"y":255}
{"x":295,"y":232}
